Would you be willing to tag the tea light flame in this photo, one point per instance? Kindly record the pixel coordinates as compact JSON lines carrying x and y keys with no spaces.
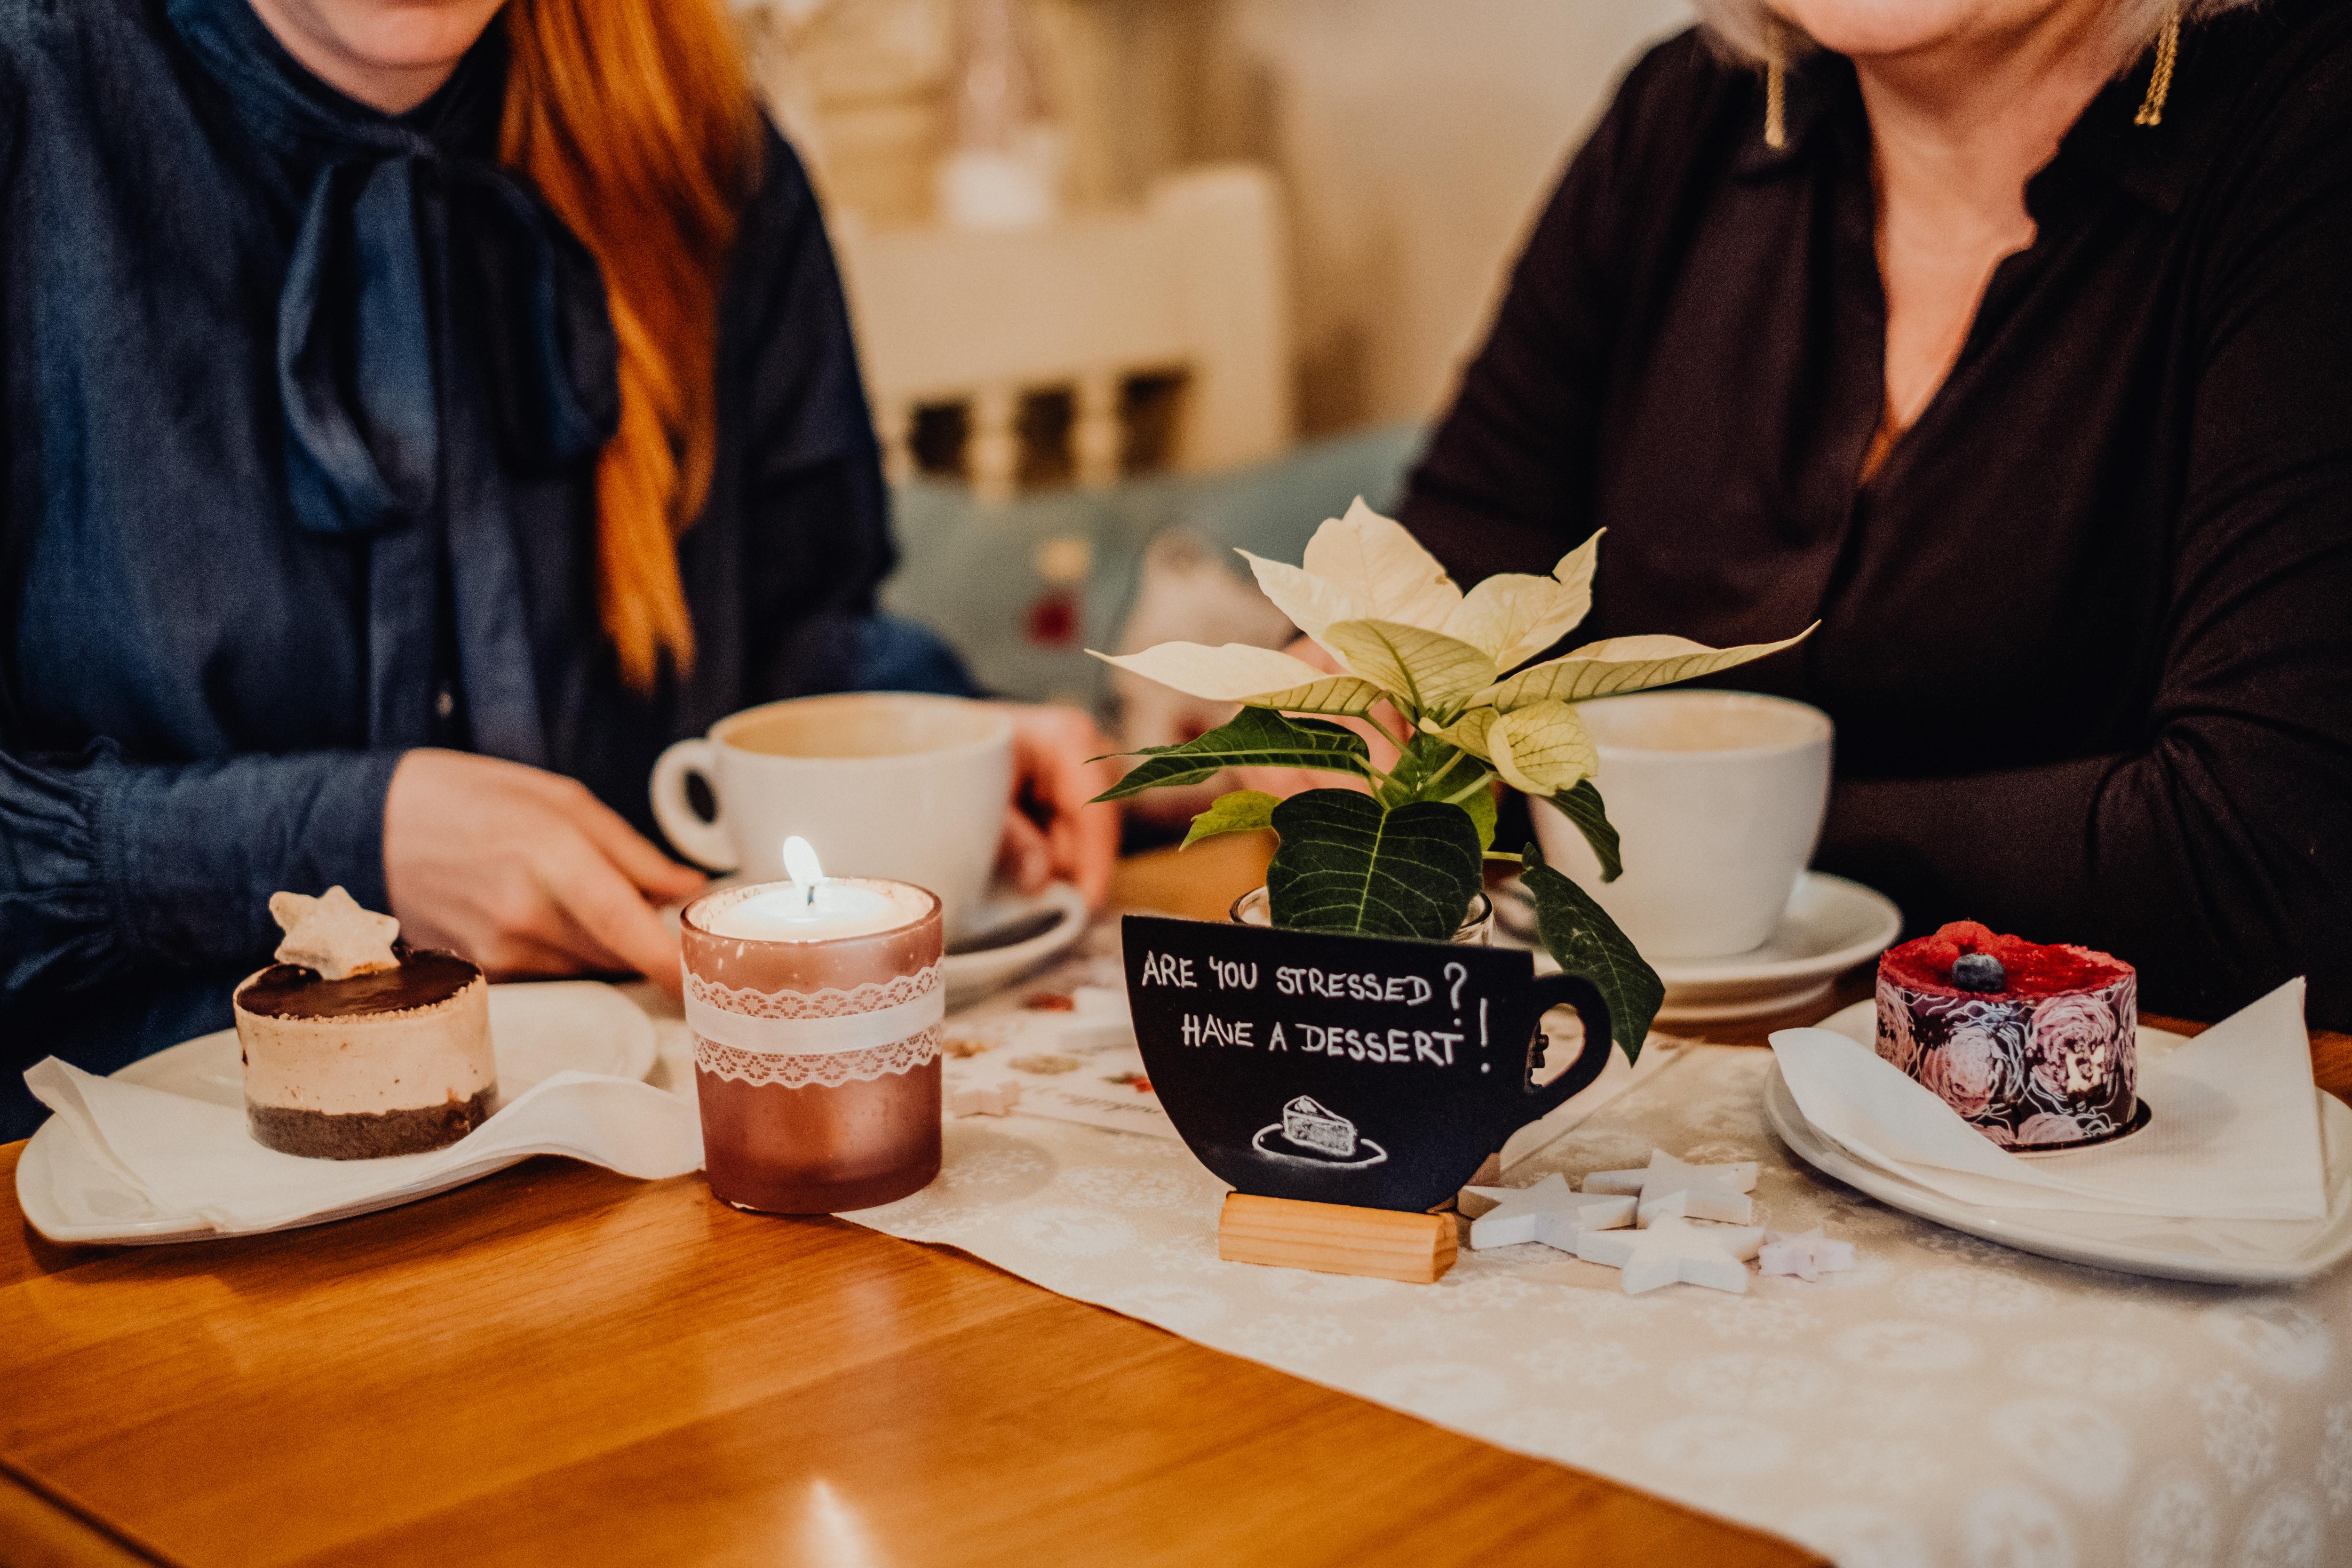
{"x":802,"y":867}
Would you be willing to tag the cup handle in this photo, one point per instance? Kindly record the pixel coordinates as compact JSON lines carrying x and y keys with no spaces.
{"x":707,"y":843}
{"x":1582,"y":994}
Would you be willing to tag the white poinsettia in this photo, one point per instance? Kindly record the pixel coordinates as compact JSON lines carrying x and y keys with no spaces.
{"x":1447,"y":661}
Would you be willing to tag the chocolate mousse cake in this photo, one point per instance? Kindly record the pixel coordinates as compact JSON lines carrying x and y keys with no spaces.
{"x":356,"y":1046}
{"x":2035,"y":1044}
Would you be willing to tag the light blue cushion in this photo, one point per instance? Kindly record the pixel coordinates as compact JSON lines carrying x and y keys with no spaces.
{"x":969,"y":569}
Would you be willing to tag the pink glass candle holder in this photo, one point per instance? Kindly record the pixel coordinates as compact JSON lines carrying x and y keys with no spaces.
{"x":816,"y":1056}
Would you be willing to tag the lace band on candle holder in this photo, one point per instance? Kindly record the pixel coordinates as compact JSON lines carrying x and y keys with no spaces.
{"x":831,"y":1070}
{"x":870,"y":1029}
{"x":828,"y":1002}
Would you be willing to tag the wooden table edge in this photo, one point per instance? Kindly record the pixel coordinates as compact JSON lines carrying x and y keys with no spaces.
{"x":40,"y":1528}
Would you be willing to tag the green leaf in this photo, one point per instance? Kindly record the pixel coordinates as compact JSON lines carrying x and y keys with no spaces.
{"x":1580,"y":935}
{"x":1350,"y":863}
{"x":1243,"y":811}
{"x":1433,"y":768}
{"x":1255,"y":737}
{"x":1582,"y":806}
{"x":1481,"y":807}
{"x":1423,"y":763}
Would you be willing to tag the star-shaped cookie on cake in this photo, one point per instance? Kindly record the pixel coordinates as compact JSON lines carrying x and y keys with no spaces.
{"x":1550,"y":1212}
{"x":333,"y":936}
{"x":1714,"y":1191}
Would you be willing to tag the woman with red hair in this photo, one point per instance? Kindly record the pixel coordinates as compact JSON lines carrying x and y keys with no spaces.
{"x":414,"y":415}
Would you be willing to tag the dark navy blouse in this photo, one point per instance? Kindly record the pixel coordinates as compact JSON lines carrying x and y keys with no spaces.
{"x":298,"y":405}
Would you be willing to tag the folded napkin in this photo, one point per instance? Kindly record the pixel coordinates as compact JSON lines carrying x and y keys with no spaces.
{"x":2234,"y":1133}
{"x":193,"y":1157}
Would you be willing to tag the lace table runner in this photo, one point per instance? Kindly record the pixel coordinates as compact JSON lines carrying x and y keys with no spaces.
{"x":1949,"y":1402}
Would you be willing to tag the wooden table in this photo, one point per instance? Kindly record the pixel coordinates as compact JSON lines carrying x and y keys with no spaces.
{"x":560,"y":1365}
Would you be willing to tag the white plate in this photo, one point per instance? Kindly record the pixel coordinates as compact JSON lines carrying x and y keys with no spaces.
{"x":971,"y":972}
{"x":1831,"y":925}
{"x":537,"y":1030}
{"x":2219,"y":1252}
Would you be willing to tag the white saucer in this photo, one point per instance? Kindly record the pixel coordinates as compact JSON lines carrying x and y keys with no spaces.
{"x":2220,"y":1252}
{"x":976,"y":966}
{"x":537,"y":1030}
{"x":1831,"y":925}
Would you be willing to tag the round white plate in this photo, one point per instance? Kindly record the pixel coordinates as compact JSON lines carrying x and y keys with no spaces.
{"x":2220,"y":1252}
{"x":537,"y":1030}
{"x":982,"y":962}
{"x":1831,"y":925}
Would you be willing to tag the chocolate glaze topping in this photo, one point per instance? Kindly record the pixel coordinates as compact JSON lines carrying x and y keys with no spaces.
{"x":425,"y":975}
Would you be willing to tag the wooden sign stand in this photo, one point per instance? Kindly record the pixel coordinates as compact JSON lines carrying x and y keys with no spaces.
{"x":1336,"y":1238}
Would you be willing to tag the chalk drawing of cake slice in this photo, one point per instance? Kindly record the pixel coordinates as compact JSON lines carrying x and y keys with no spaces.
{"x":1316,"y":1134}
{"x":1310,"y":1126}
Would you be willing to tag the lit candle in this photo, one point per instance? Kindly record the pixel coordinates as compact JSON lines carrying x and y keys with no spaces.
{"x":813,"y":906}
{"x":816,"y":1005}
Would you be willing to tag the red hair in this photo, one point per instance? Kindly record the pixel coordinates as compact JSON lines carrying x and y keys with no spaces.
{"x":635,"y":119}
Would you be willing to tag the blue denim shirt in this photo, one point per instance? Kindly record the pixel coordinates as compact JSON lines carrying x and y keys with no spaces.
{"x":205,"y":680}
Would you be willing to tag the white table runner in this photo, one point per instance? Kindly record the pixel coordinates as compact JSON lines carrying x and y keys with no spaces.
{"x":1950,"y":1402}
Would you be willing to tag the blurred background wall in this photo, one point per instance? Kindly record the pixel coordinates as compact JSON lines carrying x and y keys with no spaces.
{"x":1137,"y":281}
{"x":1411,"y":140}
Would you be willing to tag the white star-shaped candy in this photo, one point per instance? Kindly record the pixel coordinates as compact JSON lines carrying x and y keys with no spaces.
{"x":1671,"y":1249}
{"x":1550,"y":1212}
{"x":1807,"y":1254}
{"x":1716,"y":1192}
{"x":332,"y":935}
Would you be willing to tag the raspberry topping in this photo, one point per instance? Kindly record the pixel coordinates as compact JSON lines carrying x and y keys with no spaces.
{"x":2031,"y":968}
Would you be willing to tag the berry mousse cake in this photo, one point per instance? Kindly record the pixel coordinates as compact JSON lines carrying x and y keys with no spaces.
{"x":356,"y":1046}
{"x":2033,"y":1044}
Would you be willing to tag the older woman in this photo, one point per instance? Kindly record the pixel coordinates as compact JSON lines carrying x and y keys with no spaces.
{"x":413,"y":415}
{"x":2011,"y":340}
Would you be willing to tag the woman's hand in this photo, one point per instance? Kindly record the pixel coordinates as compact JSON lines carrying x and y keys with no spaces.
{"x":525,"y":872}
{"x":1050,"y":831}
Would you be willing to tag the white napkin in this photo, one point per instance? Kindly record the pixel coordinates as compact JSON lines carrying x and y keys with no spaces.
{"x":2234,"y":1133}
{"x":190,"y":1156}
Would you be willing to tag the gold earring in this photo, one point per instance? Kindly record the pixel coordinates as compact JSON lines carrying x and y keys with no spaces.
{"x":2160,"y":80}
{"x":1776,"y":84}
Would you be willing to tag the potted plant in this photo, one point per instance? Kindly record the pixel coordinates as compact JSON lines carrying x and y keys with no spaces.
{"x":1445,"y":677}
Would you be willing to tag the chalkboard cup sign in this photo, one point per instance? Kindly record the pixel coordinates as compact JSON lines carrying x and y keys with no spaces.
{"x":1347,"y":1069}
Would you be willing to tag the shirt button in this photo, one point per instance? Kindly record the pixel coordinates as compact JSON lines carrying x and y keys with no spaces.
{"x":445,"y":702}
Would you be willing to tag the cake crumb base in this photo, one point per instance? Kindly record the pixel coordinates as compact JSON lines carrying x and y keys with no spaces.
{"x":364,"y":1134}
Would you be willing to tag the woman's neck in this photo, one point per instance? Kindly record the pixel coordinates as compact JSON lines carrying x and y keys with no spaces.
{"x":1957,"y":128}
{"x":390,"y":56}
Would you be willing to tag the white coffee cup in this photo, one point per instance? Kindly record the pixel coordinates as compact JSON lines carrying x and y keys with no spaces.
{"x":1717,"y":797}
{"x":882,"y":784}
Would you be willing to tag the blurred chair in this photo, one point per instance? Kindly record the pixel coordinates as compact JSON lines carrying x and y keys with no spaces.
{"x":1024,"y":588}
{"x":1099,"y":345}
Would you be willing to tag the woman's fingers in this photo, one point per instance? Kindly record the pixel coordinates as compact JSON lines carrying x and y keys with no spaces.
{"x":1054,"y":752}
{"x":631,"y":851}
{"x":1023,"y":853}
{"x":523,"y":871}
{"x":591,"y":892}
